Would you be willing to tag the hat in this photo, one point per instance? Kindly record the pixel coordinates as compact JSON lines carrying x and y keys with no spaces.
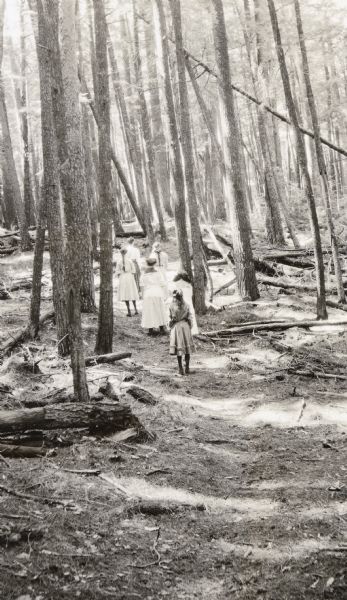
{"x":177,"y":294}
{"x":123,"y":250}
{"x":156,"y":246}
{"x":131,"y":240}
{"x":150,"y":261}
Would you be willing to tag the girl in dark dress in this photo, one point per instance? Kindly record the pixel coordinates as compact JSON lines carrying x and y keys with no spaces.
{"x":181,"y":341}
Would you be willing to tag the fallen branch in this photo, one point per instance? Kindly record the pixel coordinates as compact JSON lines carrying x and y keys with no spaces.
{"x":9,"y":451}
{"x":225,"y":286}
{"x":317,"y":375}
{"x":270,"y":326}
{"x":43,"y":499}
{"x":23,"y":335}
{"x":106,"y":358}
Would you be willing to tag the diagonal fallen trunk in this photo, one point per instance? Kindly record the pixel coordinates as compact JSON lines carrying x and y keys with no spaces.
{"x":270,"y":326}
{"x":102,"y":417}
{"x":106,"y":358}
{"x":15,"y":451}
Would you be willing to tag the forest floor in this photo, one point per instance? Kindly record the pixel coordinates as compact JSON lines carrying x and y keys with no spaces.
{"x":253,"y":457}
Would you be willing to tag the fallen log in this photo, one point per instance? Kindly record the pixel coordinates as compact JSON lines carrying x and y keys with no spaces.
{"x":106,"y":358}
{"x":141,"y":395}
{"x":286,"y":285}
{"x":270,"y":326}
{"x":22,"y":335}
{"x":9,"y":451}
{"x":317,"y":375}
{"x":99,"y":418}
{"x":225,"y":286}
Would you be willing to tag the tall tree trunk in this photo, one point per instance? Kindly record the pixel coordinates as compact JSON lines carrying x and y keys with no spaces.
{"x":146,"y":127}
{"x":87,"y":289}
{"x":130,"y":140}
{"x":244,"y":264}
{"x":187,"y":151}
{"x":28,"y":196}
{"x":105,"y":325}
{"x":321,"y":301}
{"x":9,"y":163}
{"x":177,"y":168}
{"x":159,"y":141}
{"x":51,"y":191}
{"x":35,"y":299}
{"x":320,"y":154}
{"x":77,"y":225}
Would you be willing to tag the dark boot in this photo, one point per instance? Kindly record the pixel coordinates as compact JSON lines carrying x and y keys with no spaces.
{"x":187,"y":360}
{"x":180,"y":367}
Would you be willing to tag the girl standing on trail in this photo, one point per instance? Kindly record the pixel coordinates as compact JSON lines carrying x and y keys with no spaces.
{"x":183,"y":282}
{"x":154,"y":313}
{"x":181,"y":341}
{"x":127,"y":288}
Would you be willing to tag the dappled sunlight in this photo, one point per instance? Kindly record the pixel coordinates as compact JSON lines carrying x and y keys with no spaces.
{"x":277,"y":553}
{"x":249,"y":508}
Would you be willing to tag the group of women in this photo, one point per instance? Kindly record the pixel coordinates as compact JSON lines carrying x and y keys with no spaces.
{"x":150,"y":280}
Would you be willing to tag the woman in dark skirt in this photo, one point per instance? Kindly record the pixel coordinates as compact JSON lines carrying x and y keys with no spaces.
{"x":181,"y":341}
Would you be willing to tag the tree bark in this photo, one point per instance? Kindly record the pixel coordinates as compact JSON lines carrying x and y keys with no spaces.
{"x":87,"y":290}
{"x":51,"y":191}
{"x":105,"y":324}
{"x":77,"y":224}
{"x":245,"y":272}
{"x":321,"y":304}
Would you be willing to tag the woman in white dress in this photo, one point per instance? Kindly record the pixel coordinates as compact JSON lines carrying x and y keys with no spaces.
{"x":134,"y":254}
{"x":127,"y":288}
{"x":161,"y":261}
{"x":154,"y":313}
{"x":182,"y":281}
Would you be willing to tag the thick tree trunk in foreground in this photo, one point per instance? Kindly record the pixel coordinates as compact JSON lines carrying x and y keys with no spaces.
{"x":177,"y":168}
{"x":320,"y":155}
{"x":50,"y":191}
{"x":77,"y":225}
{"x":87,"y":290}
{"x":98,"y":417}
{"x":321,"y":303}
{"x":244,"y":265}
{"x":187,"y":151}
{"x":105,"y":325}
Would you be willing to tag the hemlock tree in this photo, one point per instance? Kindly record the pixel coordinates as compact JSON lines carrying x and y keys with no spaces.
{"x":105,"y":325}
{"x":244,"y":265}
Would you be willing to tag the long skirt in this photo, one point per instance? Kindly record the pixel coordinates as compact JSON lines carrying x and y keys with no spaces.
{"x":181,"y":340}
{"x":154,"y":313}
{"x":127,"y":288}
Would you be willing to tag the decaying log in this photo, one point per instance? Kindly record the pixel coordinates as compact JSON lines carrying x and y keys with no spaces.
{"x":270,"y":326}
{"x":286,"y":285}
{"x":141,"y":395}
{"x":22,"y":335}
{"x":106,"y":358}
{"x":101,"y":417}
{"x":9,"y":451}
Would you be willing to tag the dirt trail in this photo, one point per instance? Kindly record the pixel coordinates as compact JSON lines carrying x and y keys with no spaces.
{"x":262,"y":450}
